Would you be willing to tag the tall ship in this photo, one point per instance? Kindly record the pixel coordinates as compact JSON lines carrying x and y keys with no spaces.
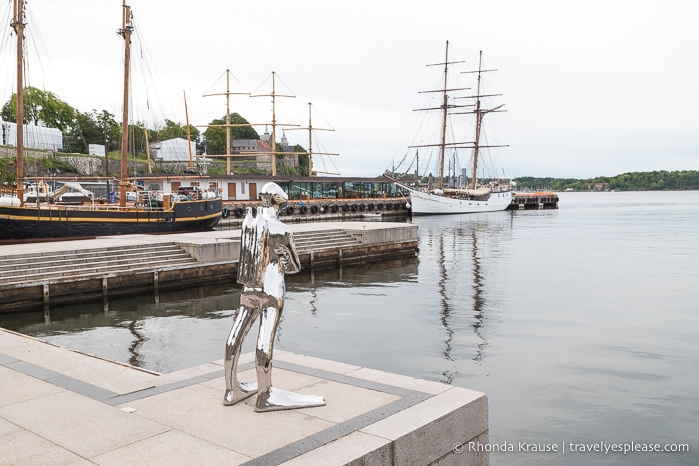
{"x":31,"y":210}
{"x":491,"y":197}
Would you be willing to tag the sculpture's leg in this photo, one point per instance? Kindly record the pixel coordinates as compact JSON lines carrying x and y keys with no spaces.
{"x":268,"y":397}
{"x":236,"y":391}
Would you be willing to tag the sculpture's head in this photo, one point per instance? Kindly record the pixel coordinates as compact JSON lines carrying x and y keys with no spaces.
{"x":273,"y":196}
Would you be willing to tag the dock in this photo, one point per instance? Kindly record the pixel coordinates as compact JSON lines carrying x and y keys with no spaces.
{"x":35,"y":275}
{"x":535,"y":200}
{"x":357,"y":209}
{"x":65,"y":407}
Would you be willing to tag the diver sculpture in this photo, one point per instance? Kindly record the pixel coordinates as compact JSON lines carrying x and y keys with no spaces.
{"x":267,"y":252}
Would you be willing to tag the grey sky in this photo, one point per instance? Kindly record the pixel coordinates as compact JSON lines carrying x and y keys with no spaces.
{"x":591,"y":88}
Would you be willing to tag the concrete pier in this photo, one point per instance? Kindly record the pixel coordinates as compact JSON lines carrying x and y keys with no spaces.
{"x":59,"y":406}
{"x":33,"y":275}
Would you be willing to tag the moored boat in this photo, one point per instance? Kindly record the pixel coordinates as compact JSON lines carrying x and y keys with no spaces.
{"x":40,"y":216}
{"x":491,"y":197}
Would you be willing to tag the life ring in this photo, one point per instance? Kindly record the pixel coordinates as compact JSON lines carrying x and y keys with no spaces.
{"x":303,"y":209}
{"x":335,"y":208}
{"x":225,"y":212}
{"x":314,"y":209}
{"x":239,"y":212}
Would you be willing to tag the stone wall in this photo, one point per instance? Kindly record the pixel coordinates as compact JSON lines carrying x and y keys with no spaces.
{"x":87,"y":165}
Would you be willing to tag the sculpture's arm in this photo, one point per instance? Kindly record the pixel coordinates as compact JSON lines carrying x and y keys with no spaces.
{"x":288,"y":256}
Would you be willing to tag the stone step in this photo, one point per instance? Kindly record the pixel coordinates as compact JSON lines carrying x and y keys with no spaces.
{"x":308,"y":242}
{"x":90,"y":262}
{"x":68,"y":261}
{"x":95,"y":271}
{"x":114,"y":250}
{"x":97,"y":263}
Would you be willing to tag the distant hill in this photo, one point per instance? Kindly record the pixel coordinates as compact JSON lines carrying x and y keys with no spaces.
{"x":636,"y":181}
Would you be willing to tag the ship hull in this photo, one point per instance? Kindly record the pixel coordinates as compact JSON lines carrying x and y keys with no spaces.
{"x":432,"y":204}
{"x":63,"y":222}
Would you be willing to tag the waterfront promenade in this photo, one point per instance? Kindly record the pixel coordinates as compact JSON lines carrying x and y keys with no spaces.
{"x":59,"y":406}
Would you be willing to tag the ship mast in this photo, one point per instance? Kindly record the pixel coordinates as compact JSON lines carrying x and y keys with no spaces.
{"x":310,"y":129}
{"x":125,"y":32}
{"x":228,"y":124}
{"x":480,"y":113}
{"x":444,"y":107}
{"x":479,"y":119}
{"x":18,"y":25}
{"x":189,"y":132}
{"x":444,"y":119}
{"x":272,"y":141}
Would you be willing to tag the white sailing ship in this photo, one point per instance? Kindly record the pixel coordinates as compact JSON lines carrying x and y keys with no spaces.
{"x":494,"y":196}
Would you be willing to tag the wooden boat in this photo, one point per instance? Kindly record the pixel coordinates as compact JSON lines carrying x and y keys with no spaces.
{"x":492,"y":197}
{"x":47,"y":219}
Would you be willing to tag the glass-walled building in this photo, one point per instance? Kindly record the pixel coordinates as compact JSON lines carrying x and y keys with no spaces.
{"x":247,"y":187}
{"x":339,"y":188}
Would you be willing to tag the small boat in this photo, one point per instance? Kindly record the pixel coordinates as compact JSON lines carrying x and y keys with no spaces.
{"x":371,"y":215}
{"x":37,"y":214}
{"x":495,"y":196}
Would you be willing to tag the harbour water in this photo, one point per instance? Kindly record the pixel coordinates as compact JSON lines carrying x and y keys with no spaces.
{"x":578,"y":323}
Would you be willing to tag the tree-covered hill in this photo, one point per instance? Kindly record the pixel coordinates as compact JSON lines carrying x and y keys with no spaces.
{"x":636,"y":181}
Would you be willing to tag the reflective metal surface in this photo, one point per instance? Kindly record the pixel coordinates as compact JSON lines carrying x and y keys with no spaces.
{"x":267,"y":252}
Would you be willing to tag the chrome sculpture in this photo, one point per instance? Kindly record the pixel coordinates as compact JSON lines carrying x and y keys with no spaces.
{"x":267,"y":252}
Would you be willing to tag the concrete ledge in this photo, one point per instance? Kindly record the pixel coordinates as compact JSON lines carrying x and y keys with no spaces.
{"x":75,"y":407}
{"x":379,"y":235}
{"x":212,"y":250}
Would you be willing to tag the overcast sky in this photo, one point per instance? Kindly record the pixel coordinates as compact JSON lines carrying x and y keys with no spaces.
{"x":591,"y":88}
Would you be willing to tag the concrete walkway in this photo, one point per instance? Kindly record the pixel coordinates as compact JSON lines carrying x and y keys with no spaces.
{"x":61,"y":407}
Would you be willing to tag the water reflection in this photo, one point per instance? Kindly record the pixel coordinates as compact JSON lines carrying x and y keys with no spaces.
{"x":466,"y":257}
{"x":166,"y":332}
{"x":445,"y":309}
{"x":136,"y":359}
{"x":478,"y":299}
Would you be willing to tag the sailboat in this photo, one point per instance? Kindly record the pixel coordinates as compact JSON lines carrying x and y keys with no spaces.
{"x":492,"y":197}
{"x":45,"y":218}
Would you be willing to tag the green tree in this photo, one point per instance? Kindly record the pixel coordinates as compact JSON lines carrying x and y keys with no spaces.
{"x":42,"y":107}
{"x":109,"y":127}
{"x":173,"y":130}
{"x":215,"y":134}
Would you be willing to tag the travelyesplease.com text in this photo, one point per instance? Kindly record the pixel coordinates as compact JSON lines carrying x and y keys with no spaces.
{"x":573,"y":447}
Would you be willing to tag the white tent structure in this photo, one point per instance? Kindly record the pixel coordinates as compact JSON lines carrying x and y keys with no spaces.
{"x":172,"y":150}
{"x":35,"y":137}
